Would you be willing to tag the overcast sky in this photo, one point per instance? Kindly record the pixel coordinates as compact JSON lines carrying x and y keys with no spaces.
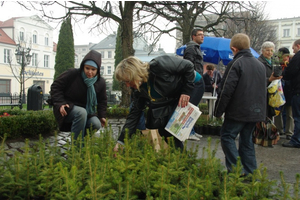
{"x":274,"y":9}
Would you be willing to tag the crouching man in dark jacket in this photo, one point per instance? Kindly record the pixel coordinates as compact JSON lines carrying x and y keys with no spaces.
{"x":242,"y":98}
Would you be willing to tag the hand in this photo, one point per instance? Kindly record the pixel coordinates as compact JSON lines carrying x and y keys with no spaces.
{"x":272,"y":77}
{"x":62,"y":110}
{"x":103,"y":122}
{"x":184,"y":100}
{"x":117,"y":147}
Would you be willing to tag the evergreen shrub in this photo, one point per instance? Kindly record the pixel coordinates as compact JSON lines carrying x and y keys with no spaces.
{"x":95,"y":171}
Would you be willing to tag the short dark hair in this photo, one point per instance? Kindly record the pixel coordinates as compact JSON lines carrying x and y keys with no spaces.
{"x":210,"y":67}
{"x":194,"y":31}
{"x":297,"y":42}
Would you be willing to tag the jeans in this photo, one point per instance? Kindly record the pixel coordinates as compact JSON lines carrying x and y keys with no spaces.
{"x":196,"y":96}
{"x":246,"y":151}
{"x":80,"y":122}
{"x":295,"y":140}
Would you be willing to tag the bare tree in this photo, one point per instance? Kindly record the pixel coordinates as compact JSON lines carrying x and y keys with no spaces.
{"x":122,"y":13}
{"x":253,"y":23}
{"x":187,"y":15}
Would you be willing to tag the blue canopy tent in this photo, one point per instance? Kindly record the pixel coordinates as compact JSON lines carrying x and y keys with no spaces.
{"x":215,"y":49}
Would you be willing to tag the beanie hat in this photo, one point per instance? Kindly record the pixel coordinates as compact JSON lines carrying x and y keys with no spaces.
{"x":91,"y":63}
{"x":284,"y":50}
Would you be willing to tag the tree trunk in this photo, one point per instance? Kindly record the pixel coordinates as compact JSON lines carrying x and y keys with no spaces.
{"x":127,"y":44}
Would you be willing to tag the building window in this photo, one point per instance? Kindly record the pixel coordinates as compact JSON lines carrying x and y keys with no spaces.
{"x":102,"y":70}
{"x":298,"y":31}
{"x":102,"y":54}
{"x":109,"y":54}
{"x":41,"y":84}
{"x":7,"y":54}
{"x":21,"y":36}
{"x":83,"y":49}
{"x":34,"y":59}
{"x":286,"y":32}
{"x":5,"y":86}
{"x":46,"y":61}
{"x":108,"y":70}
{"x":46,"y":40}
{"x":76,"y":59}
{"x":34,"y":38}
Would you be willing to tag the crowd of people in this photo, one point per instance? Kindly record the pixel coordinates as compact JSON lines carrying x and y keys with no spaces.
{"x":79,"y":95}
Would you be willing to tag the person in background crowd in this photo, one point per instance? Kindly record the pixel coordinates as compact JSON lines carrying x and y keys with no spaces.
{"x":267,"y":51}
{"x":79,"y":97}
{"x":194,"y":54}
{"x":284,"y":121}
{"x":162,"y":84}
{"x":242,"y":97}
{"x":292,"y":73}
{"x":212,"y":79}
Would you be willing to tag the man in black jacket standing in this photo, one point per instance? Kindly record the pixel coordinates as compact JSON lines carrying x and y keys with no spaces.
{"x":292,"y":73}
{"x":242,"y":97}
{"x":194,"y":54}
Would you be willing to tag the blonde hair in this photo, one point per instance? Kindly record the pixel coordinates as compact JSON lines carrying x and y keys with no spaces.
{"x":240,"y":41}
{"x":132,"y":69}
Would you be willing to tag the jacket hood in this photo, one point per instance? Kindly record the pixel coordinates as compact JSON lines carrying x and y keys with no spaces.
{"x":94,"y":56}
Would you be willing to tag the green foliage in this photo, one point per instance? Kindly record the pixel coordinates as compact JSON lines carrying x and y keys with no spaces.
{"x":26,"y":123}
{"x":136,"y":172}
{"x":65,"y":54}
{"x":118,"y":58}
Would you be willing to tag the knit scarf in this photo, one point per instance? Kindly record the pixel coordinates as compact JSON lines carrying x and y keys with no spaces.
{"x":91,"y":94}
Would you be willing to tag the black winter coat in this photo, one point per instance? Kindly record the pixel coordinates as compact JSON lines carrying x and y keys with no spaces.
{"x":69,"y":88}
{"x":194,"y":54}
{"x":171,"y":77}
{"x":243,"y":90}
{"x":292,"y":73}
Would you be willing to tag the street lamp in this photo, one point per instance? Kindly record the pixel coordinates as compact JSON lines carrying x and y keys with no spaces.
{"x":23,"y":58}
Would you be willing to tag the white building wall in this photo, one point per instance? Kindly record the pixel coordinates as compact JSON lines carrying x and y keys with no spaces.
{"x":30,"y":25}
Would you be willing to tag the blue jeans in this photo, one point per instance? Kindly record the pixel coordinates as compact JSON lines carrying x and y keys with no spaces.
{"x":196,"y":96}
{"x":229,"y":131}
{"x":295,"y":140}
{"x":80,"y":122}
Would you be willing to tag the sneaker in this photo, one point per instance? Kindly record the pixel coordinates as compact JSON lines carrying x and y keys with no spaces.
{"x":198,"y":135}
{"x":289,"y":145}
{"x":288,"y":137}
{"x":193,"y":137}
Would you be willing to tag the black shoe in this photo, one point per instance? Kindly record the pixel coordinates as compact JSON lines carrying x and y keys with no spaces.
{"x":288,"y":137}
{"x":289,"y":145}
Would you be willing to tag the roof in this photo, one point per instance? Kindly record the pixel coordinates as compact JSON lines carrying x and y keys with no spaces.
{"x":8,"y":23}
{"x":5,"y":39}
{"x":107,"y":43}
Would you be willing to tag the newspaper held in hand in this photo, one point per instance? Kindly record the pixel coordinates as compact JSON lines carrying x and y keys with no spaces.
{"x":182,"y":121}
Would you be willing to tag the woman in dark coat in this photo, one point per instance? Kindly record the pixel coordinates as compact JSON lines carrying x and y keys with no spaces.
{"x":79,"y":97}
{"x":162,"y":84}
{"x":267,"y":51}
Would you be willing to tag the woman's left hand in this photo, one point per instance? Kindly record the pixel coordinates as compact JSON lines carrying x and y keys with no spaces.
{"x":184,"y":100}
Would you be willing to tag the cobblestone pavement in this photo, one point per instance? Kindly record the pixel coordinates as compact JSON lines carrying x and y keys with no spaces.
{"x":275,"y":159}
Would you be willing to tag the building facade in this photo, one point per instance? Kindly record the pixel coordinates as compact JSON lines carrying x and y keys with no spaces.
{"x":29,"y":32}
{"x":287,"y":31}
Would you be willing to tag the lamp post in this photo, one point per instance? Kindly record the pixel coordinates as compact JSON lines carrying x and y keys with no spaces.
{"x":23,"y":58}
